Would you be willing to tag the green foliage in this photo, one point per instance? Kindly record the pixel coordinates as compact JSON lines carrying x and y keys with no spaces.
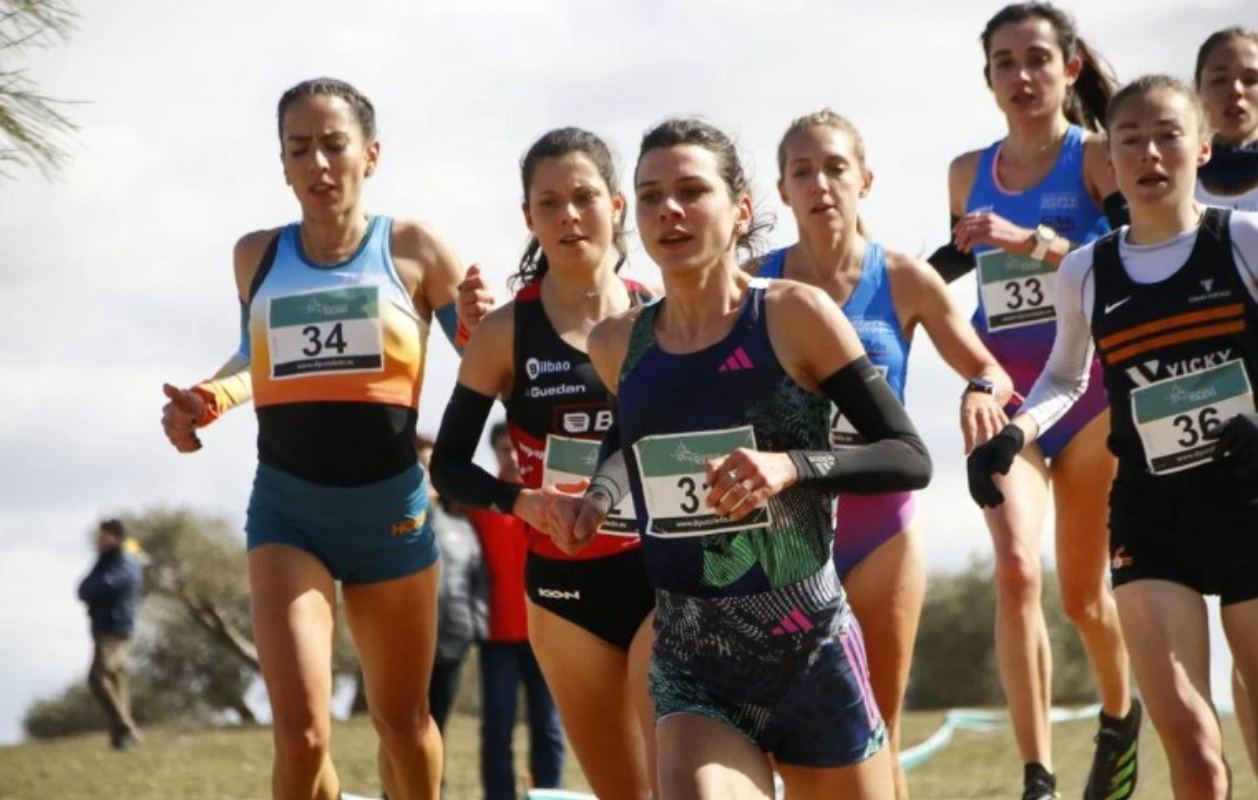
{"x":31,"y":123}
{"x":954,"y":662}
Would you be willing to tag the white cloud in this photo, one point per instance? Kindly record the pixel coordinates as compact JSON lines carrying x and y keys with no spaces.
{"x":117,"y":275}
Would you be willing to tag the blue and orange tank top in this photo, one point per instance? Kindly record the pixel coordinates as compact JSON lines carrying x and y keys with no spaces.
{"x":337,"y":360}
{"x":677,"y":411}
{"x":557,"y":413}
{"x":1015,"y":315}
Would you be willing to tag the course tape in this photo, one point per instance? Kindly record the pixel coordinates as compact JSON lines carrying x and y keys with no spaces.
{"x":954,"y":720}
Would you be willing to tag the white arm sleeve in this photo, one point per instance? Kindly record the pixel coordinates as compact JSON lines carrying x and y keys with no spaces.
{"x":1065,"y":376}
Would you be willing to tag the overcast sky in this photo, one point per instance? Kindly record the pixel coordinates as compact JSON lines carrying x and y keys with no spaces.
{"x":117,"y":275}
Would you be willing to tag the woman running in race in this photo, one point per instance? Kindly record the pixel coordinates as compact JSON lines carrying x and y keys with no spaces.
{"x":588,"y":613}
{"x":335,"y":316}
{"x":1018,"y":206}
{"x":1227,"y":82}
{"x":723,"y":399}
{"x":885,"y":295}
{"x":1171,"y":303}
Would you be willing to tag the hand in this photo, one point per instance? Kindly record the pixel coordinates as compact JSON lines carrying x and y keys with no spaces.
{"x":996,"y":455}
{"x":745,"y":480}
{"x":575,"y":516}
{"x":1238,"y":443}
{"x":179,"y":418}
{"x":475,"y":300}
{"x":981,"y":418}
{"x":554,"y":511}
{"x":993,"y":230}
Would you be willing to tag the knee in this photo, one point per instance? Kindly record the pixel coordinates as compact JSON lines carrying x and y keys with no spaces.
{"x":1200,"y":764}
{"x":1018,"y":577}
{"x":301,"y":746}
{"x":1083,"y":605}
{"x":401,"y":728}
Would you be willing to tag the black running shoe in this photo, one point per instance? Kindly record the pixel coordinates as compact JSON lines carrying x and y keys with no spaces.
{"x":1038,"y":783}
{"x":1114,"y":765}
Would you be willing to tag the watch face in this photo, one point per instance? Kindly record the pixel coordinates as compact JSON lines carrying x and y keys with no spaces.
{"x":984,"y":385}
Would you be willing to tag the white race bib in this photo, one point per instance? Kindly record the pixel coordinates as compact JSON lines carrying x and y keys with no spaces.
{"x":1175,"y":416}
{"x":672,"y":468}
{"x":570,"y":460}
{"x":1015,"y":290}
{"x":328,"y":331}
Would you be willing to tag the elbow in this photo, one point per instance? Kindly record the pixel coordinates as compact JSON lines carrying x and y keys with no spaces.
{"x":920,"y":467}
{"x":439,"y":468}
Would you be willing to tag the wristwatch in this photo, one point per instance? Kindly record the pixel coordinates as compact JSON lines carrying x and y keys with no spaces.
{"x":980,"y":384}
{"x":1044,"y":238}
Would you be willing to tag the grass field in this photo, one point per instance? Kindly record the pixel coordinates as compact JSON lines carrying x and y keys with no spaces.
{"x":235,"y":763}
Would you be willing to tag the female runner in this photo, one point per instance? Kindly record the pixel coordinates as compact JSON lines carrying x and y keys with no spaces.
{"x":587,"y":614}
{"x":1018,"y":207}
{"x":885,"y":295}
{"x":1172,"y":305}
{"x":335,"y":317}
{"x":1227,"y":82}
{"x":723,"y":391}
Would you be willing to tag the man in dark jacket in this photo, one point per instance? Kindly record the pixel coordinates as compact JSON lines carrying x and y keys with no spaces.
{"x":112,"y":591}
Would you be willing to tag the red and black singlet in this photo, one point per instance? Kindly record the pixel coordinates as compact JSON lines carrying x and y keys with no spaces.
{"x":556,"y":392}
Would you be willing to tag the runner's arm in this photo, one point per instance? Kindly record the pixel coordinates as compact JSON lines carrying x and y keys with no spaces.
{"x":1064,"y":378}
{"x":454,"y":472}
{"x":484,"y":374}
{"x":820,"y":346}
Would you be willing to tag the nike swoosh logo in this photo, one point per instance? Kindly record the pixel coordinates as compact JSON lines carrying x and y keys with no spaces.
{"x":1111,"y":306}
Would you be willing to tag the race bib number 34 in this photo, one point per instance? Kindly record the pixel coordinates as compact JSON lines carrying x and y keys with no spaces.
{"x":1177,"y":418}
{"x":337,"y":330}
{"x":570,"y":460}
{"x":675,"y":482}
{"x":1015,"y":290}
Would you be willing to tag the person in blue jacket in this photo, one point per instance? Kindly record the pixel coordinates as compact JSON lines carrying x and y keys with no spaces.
{"x":112,"y":593}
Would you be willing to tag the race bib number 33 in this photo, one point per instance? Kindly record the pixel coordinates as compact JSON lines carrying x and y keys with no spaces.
{"x":570,"y":460}
{"x":336,"y":330}
{"x":675,"y":483}
{"x":1015,"y":290}
{"x":1178,"y":418}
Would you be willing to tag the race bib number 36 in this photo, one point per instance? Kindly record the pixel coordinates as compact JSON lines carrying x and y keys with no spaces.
{"x":1015,"y":290}
{"x":1177,"y":418}
{"x":573,"y":460}
{"x":675,"y":482}
{"x":337,"y":330}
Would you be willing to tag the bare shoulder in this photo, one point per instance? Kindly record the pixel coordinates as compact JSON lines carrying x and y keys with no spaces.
{"x":788,"y":297}
{"x":1096,"y":171}
{"x":608,"y":344}
{"x":247,"y":257}
{"x":962,"y":171}
{"x":497,"y":329}
{"x":419,"y":240}
{"x":910,"y":272}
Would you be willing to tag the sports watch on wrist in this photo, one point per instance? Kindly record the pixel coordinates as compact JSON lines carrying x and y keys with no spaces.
{"x":980,"y":384}
{"x":1044,"y":238}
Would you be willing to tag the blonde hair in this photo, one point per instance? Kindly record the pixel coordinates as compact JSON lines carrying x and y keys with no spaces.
{"x":825,"y":118}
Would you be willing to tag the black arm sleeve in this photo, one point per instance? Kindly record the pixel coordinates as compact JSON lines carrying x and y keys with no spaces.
{"x":949,"y":261}
{"x":1116,"y":211}
{"x":454,"y":473}
{"x":894,"y":460}
{"x":612,"y":476}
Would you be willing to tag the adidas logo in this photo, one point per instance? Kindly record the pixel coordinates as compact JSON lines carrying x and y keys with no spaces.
{"x":822,"y":462}
{"x":738,"y":361}
{"x":794,"y":622}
